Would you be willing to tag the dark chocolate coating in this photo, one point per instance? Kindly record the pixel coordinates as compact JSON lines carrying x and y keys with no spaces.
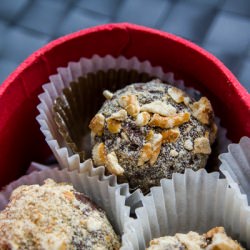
{"x":173,"y":156}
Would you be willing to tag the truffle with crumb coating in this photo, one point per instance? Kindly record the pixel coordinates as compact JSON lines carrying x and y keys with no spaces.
{"x":54,"y":216}
{"x":146,"y":132}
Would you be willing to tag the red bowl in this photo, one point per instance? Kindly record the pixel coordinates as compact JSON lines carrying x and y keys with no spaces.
{"x":20,"y":138}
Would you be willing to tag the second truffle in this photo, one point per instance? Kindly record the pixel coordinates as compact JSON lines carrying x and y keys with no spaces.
{"x":54,"y":216}
{"x":146,"y":132}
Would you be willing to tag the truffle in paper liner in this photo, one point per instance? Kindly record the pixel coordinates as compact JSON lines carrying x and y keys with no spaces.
{"x":70,"y":153}
{"x":193,"y":201}
{"x":104,"y":192}
{"x":236,"y":165}
{"x":121,"y":71}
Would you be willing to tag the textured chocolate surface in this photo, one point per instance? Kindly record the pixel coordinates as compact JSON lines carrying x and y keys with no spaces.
{"x":54,"y":216}
{"x":153,"y":130}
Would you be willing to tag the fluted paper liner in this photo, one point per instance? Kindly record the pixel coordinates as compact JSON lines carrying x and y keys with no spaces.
{"x":193,"y":201}
{"x":103,"y":192}
{"x":74,"y":96}
{"x":74,"y":109}
{"x":236,"y":165}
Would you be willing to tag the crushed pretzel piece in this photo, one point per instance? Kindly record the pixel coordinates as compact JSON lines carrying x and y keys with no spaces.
{"x":130,"y":103}
{"x":120,"y":115}
{"x":173,"y":153}
{"x":97,"y":124}
{"x":113,"y":125}
{"x":145,"y":154}
{"x":220,"y":240}
{"x":170,"y":135}
{"x":156,"y":142}
{"x":159,"y":107}
{"x":186,"y":101}
{"x":150,"y":135}
{"x":192,"y":241}
{"x":202,"y":146}
{"x":202,"y":110}
{"x":142,"y":119}
{"x":151,"y":149}
{"x":99,"y":154}
{"x":112,"y":164}
{"x":213,"y":231}
{"x":169,"y":121}
{"x":176,"y":94}
{"x":107,"y":94}
{"x":133,"y":110}
{"x":188,"y":145}
{"x":223,"y":242}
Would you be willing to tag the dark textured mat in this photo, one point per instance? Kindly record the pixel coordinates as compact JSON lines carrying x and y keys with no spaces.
{"x":220,"y":26}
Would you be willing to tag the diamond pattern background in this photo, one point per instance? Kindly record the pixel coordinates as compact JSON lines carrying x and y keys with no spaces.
{"x":220,"y":26}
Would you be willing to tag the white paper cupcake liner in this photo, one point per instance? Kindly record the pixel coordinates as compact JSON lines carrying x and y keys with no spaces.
{"x":64,"y":155}
{"x":103,"y":192}
{"x":236,"y":165}
{"x":193,"y":201}
{"x":62,"y":80}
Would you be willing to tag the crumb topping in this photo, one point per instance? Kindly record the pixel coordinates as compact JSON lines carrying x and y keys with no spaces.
{"x":159,"y":107}
{"x":202,"y":146}
{"x":156,"y":142}
{"x":170,"y":121}
{"x":113,"y":125}
{"x":170,"y":135}
{"x":221,"y":241}
{"x":99,"y":154}
{"x":120,"y":115}
{"x":107,"y":94}
{"x":112,"y":164}
{"x":130,"y":103}
{"x":54,"y":216}
{"x":142,"y":119}
{"x":202,"y":110}
{"x":188,"y":144}
{"x":176,"y":94}
{"x":165,"y":243}
{"x":215,"y":239}
{"x":139,"y":112}
{"x":192,"y":240}
{"x":97,"y":124}
{"x":173,"y":153}
{"x":145,"y":153}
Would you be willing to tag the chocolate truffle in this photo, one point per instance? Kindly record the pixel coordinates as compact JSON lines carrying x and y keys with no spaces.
{"x":146,"y":132}
{"x":54,"y":216}
{"x":215,"y":239}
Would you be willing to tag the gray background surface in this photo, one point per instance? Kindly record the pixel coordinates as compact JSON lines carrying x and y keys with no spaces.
{"x":220,"y":26}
